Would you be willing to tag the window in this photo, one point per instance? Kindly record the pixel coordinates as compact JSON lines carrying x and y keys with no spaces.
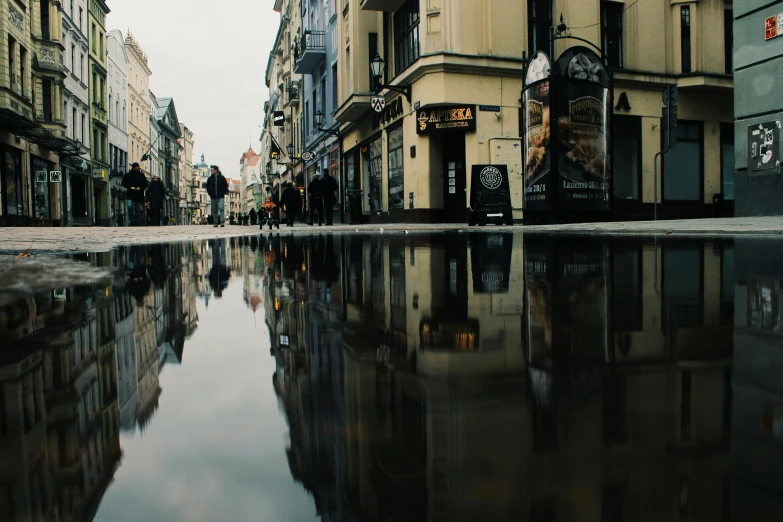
{"x":406,"y":35}
{"x":73,"y":124}
{"x":94,"y":38}
{"x":627,"y":295}
{"x":11,"y":58}
{"x":323,"y":95}
{"x":627,"y":156}
{"x":612,"y":32}
{"x":46,"y":95}
{"x":682,"y":166}
{"x":396,"y":170}
{"x":539,"y":14}
{"x":335,"y":99}
{"x":73,"y":59}
{"x":45,"y":30}
{"x":374,"y":166}
{"x":81,"y":66}
{"x":84,"y":126}
{"x":81,"y":15}
{"x":727,"y":160}
{"x":23,"y":70}
{"x":102,"y":44}
{"x":728,"y":39}
{"x":95,"y":145}
{"x":109,"y":106}
{"x":685,"y":38}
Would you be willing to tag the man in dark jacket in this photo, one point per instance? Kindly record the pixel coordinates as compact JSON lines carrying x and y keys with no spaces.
{"x":135,"y":182}
{"x":156,"y":195}
{"x":217,"y":188}
{"x":316,"y":200}
{"x":253,"y":217}
{"x":292,"y":201}
{"x":329,"y":190}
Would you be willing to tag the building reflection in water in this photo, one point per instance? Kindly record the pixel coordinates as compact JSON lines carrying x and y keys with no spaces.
{"x":483,"y":377}
{"x":77,"y":365}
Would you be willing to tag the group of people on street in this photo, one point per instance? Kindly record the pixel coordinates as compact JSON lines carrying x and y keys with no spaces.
{"x":141,"y":195}
{"x":323,"y":197}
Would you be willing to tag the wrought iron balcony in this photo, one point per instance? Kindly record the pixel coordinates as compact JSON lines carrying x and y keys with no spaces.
{"x":292,"y":88}
{"x":309,"y":51}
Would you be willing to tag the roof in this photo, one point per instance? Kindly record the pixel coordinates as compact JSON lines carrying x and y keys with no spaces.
{"x":253,"y":161}
{"x":250,"y":153}
{"x":163,"y":106}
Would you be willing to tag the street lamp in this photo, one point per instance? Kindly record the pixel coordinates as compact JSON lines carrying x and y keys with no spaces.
{"x":290,"y":149}
{"x":319,"y":119}
{"x":377,"y":71}
{"x":268,"y":169}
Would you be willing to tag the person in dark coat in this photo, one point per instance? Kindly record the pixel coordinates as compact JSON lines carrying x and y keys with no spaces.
{"x":156,"y":195}
{"x":315,"y":194}
{"x":329,"y":190}
{"x":217,"y":188}
{"x":135,"y":182}
{"x":253,"y":217}
{"x":292,"y":202}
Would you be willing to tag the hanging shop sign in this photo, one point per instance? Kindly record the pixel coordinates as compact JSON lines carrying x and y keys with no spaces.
{"x":278,"y":118}
{"x":490,"y":197}
{"x":387,"y":114}
{"x":446,"y":118}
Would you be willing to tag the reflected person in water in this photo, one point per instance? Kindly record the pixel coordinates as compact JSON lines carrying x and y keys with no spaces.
{"x":219,"y":274}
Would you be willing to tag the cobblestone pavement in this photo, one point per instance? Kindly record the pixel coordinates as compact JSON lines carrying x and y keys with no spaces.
{"x":100,"y":239}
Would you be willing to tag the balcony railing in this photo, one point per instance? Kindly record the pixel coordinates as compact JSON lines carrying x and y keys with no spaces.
{"x":292,"y":88}
{"x":309,"y":51}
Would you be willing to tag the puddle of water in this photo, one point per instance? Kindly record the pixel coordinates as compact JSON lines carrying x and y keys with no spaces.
{"x":422,"y":377}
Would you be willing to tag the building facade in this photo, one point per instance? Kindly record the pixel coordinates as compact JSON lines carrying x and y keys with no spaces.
{"x":458,"y":59}
{"x":198,"y":190}
{"x":250,"y":180}
{"x":117,"y":115}
{"x":168,"y":157}
{"x":758,"y":57}
{"x":98,"y":10}
{"x":76,"y":167}
{"x":139,"y":139}
{"x":185,"y":143}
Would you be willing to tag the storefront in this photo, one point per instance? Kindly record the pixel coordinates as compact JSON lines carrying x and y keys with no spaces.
{"x":45,"y":192}
{"x":13,"y":207}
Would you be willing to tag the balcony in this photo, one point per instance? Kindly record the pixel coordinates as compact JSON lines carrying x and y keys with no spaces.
{"x":49,"y":56}
{"x":389,"y":6}
{"x":309,"y":52}
{"x":292,"y":89}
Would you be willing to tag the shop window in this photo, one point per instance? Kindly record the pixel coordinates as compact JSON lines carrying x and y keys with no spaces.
{"x":406,"y":35}
{"x":682,"y":166}
{"x":612,"y":32}
{"x":683,"y":274}
{"x":627,"y":284}
{"x":727,"y":160}
{"x":396,"y":170}
{"x":539,"y":20}
{"x":627,"y":133}
{"x":685,"y":38}
{"x":375,"y":175}
{"x":41,"y":188}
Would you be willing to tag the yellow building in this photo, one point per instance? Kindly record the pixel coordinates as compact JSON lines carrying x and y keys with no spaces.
{"x":463,"y":62}
{"x":99,"y":123}
{"x":32,"y":123}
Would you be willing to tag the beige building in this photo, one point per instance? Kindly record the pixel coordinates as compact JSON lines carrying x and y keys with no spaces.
{"x":463,"y":62}
{"x":185,"y":143}
{"x":138,"y":103}
{"x":233,"y":202}
{"x":198,"y":190}
{"x":251,"y":179}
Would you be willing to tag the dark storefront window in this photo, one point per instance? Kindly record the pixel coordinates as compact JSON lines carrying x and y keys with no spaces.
{"x":397,"y":286}
{"x":683,"y":302}
{"x":728,"y":38}
{"x":406,"y":35}
{"x":727,"y":160}
{"x":612,"y":32}
{"x":40,"y":188}
{"x":12,"y":183}
{"x":627,"y":295}
{"x":627,"y":156}
{"x":685,"y":38}
{"x":396,"y":170}
{"x":375,"y":174}
{"x":539,"y":16}
{"x":682,"y":165}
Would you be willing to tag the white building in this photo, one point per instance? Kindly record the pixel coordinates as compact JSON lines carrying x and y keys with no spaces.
{"x":118,"y":120}
{"x":153,"y":165}
{"x":138,"y":104}
{"x":201,"y":173}
{"x":79,"y":204}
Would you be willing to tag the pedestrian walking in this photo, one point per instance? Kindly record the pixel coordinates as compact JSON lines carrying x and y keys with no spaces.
{"x":329,"y":190}
{"x":292,"y":201}
{"x":253,"y":217}
{"x":135,"y":182}
{"x":156,"y":195}
{"x":316,"y":200}
{"x":217,"y":188}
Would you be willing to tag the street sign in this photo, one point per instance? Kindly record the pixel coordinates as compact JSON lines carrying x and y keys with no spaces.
{"x":670,"y":95}
{"x":771,"y":28}
{"x":378,"y":103}
{"x":307,"y":156}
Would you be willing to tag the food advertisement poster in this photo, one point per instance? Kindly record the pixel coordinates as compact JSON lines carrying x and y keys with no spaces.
{"x":583,"y":145}
{"x":538,"y":304}
{"x":537,"y":139}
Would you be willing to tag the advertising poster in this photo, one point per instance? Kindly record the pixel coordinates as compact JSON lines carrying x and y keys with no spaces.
{"x":490,"y":259}
{"x":490,"y":195}
{"x":537,"y":141}
{"x":764,"y":146}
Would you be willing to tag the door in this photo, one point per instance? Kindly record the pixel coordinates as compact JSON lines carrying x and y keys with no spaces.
{"x":353,"y":187}
{"x":454,"y":178}
{"x":78,"y":197}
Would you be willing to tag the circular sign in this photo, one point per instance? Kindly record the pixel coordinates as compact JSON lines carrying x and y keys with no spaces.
{"x":307,"y":156}
{"x":670,"y":95}
{"x":491,"y":178}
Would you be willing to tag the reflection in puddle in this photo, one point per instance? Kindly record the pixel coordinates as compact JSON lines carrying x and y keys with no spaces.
{"x":444,"y":377}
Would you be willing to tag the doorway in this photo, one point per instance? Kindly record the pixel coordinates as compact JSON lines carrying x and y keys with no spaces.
{"x":454,"y":178}
{"x":79,"y":199}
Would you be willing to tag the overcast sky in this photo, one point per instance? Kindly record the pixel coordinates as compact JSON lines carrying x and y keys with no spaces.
{"x":210,"y":56}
